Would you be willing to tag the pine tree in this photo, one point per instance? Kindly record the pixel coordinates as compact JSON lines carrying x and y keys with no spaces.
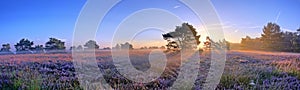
{"x":272,"y":37}
{"x":184,"y":37}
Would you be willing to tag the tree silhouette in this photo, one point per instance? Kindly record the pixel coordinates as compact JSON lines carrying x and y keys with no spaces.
{"x":184,"y":37}
{"x":79,"y":47}
{"x":55,"y":44}
{"x":5,"y":48}
{"x":38,"y":48}
{"x":117,"y":47}
{"x":223,"y":44}
{"x":106,"y":48}
{"x":162,"y":47}
{"x":127,"y":46}
{"x":207,"y":43}
{"x":24,"y":45}
{"x":91,"y":44}
{"x":72,"y":48}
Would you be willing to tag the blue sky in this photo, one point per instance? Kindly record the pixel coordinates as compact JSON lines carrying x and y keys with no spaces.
{"x":38,"y":20}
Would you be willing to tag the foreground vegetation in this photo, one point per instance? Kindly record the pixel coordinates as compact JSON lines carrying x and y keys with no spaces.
{"x":243,"y":70}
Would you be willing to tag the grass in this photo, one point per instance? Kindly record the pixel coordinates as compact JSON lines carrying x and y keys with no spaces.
{"x":292,"y":67}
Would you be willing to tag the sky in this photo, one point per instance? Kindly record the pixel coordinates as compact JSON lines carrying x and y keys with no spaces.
{"x":38,"y":20}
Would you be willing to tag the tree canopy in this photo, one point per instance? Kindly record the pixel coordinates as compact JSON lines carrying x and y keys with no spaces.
{"x":184,"y":37}
{"x":55,"y":44}
{"x":91,"y":44}
{"x":24,"y":45}
{"x":5,"y":48}
{"x":273,"y":39}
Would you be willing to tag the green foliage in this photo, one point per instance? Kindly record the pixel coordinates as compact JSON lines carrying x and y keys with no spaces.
{"x":55,"y":44}
{"x":184,"y":37}
{"x":5,"y":48}
{"x":24,"y":45}
{"x":126,"y":46}
{"x":210,"y":44}
{"x":227,"y":81}
{"x":272,"y":36}
{"x":91,"y":44}
{"x":273,"y":39}
{"x":294,"y":73}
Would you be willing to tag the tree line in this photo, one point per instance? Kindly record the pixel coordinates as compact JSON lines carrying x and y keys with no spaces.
{"x":183,"y":37}
{"x":273,"y":39}
{"x":54,"y":45}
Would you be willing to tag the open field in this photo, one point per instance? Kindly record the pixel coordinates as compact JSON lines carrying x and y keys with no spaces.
{"x":243,"y":70}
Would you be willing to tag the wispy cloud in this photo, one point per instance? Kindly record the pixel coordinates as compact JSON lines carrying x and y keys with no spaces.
{"x":278,"y":15}
{"x":236,"y":30}
{"x":285,"y":29}
{"x":254,"y":27}
{"x":177,"y":6}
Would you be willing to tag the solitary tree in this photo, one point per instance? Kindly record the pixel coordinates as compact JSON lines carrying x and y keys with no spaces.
{"x":55,"y":44}
{"x":91,"y":44}
{"x":24,"y":45}
{"x":127,"y":46}
{"x":184,"y":36}
{"x":5,"y":48}
{"x":272,"y":37}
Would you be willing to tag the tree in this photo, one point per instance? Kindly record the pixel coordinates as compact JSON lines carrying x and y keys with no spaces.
{"x":296,"y":41}
{"x":55,"y":44}
{"x":145,"y":47}
{"x":162,"y":47}
{"x":127,"y":46}
{"x":223,"y":44}
{"x":79,"y":47}
{"x":5,"y":48}
{"x":207,"y":43}
{"x":117,"y":47}
{"x":72,"y":48}
{"x":172,"y":45}
{"x":185,"y":36}
{"x":38,"y":48}
{"x":106,"y":48}
{"x":251,"y":43}
{"x":24,"y":45}
{"x":91,"y":44}
{"x":272,"y":36}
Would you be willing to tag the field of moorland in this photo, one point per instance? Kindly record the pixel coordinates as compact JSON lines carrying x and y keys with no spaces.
{"x":243,"y":70}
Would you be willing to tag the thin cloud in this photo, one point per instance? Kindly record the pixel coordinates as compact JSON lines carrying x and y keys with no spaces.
{"x":177,"y":6}
{"x":278,"y":15}
{"x":236,"y":30}
{"x":285,"y":29}
{"x":253,"y":27}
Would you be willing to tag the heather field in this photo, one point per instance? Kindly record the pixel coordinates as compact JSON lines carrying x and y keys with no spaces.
{"x":243,"y":70}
